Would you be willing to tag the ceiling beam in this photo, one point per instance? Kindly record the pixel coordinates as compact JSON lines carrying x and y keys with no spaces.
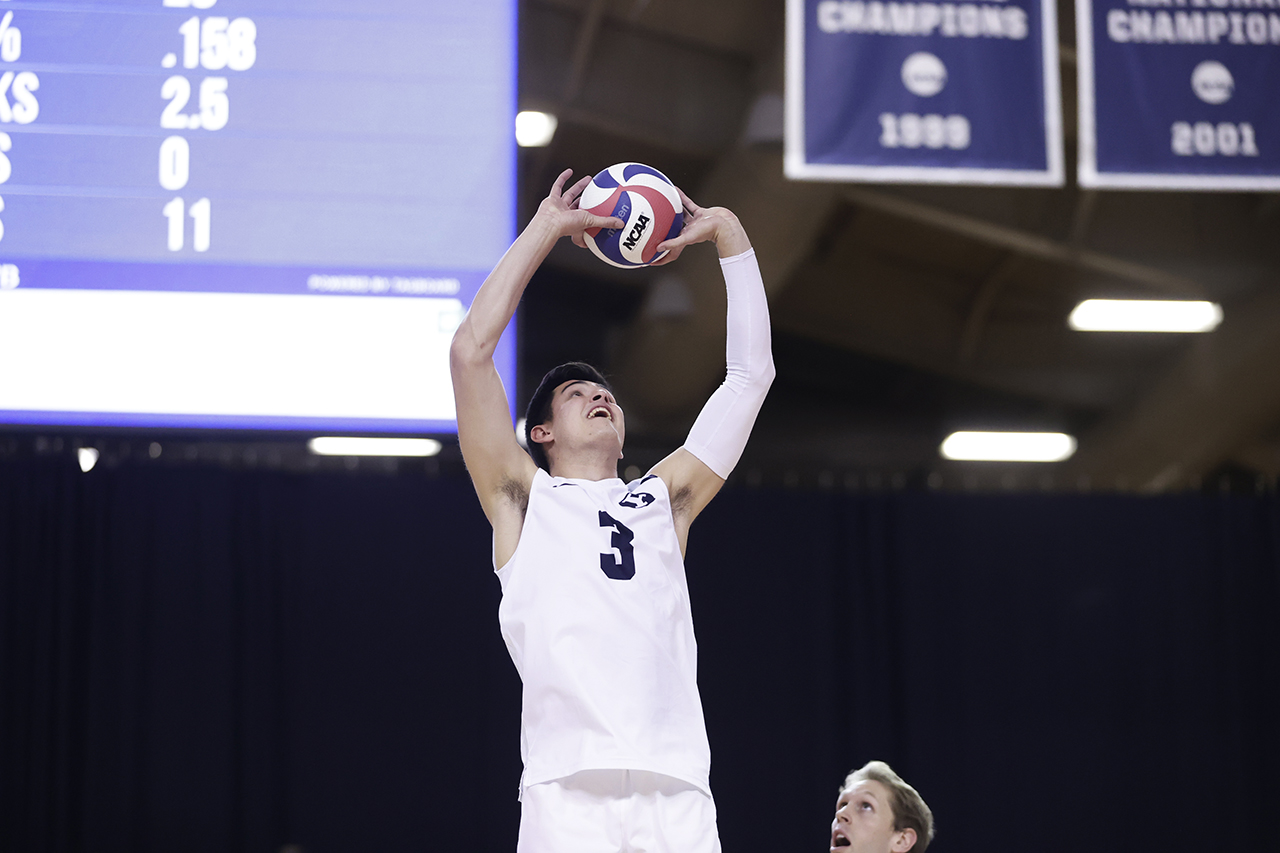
{"x":983,"y":301}
{"x":860,"y":299}
{"x":1082,"y":217}
{"x":1024,"y":242}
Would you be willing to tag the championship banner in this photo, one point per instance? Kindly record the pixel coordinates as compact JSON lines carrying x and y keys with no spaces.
{"x":923,"y":92}
{"x":1179,"y":94}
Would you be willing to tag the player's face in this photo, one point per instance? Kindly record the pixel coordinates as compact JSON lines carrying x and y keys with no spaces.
{"x":584,"y":412}
{"x":864,"y":822}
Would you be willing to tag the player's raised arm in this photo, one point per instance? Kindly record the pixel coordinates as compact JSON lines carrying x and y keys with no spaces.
{"x":499,"y":468}
{"x":695,"y":472}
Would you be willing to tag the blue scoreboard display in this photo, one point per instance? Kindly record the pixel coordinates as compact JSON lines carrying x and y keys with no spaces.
{"x":249,"y":213}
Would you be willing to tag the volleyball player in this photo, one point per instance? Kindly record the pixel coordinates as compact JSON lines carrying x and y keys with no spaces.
{"x":878,"y":812}
{"x":595,"y":607}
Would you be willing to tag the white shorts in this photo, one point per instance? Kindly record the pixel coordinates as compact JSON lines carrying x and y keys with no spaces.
{"x":617,"y":811}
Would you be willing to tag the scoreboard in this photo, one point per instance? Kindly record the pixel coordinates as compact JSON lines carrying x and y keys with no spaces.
{"x":248,"y":213}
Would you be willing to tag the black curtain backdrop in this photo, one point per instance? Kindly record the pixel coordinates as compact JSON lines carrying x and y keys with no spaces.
{"x":204,"y":660}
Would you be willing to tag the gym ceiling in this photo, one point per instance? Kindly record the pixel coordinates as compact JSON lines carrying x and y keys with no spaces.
{"x":900,"y":313}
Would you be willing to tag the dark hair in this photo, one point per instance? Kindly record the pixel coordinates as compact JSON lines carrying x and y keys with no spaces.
{"x":539,"y":411}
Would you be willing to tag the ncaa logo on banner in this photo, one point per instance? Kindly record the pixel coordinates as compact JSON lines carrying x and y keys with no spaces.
{"x":1212,"y":82}
{"x":924,"y":74}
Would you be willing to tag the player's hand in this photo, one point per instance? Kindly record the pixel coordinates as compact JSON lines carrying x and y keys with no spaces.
{"x":716,"y":224}
{"x":560,"y":212}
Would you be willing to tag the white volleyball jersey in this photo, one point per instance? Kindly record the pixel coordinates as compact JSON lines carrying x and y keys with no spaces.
{"x":595,"y":613}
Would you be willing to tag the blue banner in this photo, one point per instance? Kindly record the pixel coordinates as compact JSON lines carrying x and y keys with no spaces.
{"x":1179,"y":94}
{"x":923,"y":92}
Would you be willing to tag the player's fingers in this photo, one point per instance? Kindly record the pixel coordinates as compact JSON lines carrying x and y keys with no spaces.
{"x":578,"y":240}
{"x":688,"y":202}
{"x":559,"y":182}
{"x":675,"y":244}
{"x":576,"y":190}
{"x":693,"y":231}
{"x":668,"y":257}
{"x":603,"y":222}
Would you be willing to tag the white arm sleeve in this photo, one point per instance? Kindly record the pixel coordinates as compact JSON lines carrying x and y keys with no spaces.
{"x":720,"y":433}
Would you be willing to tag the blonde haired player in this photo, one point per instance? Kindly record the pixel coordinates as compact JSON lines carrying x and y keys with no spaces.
{"x":595,"y":606}
{"x":878,"y":812}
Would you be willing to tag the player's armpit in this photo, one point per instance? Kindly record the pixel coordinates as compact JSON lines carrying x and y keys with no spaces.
{"x":690,"y":483}
{"x":507,"y":517}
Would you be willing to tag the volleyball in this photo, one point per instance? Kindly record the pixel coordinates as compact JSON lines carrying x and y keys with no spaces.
{"x":643,"y":198}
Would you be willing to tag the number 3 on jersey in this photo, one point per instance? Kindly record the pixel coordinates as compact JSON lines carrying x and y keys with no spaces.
{"x":622,"y":567}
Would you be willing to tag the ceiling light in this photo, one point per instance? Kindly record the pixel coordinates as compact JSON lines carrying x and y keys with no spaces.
{"x":88,"y":457}
{"x":1009,"y":446}
{"x":534,"y":129}
{"x":332,"y":445}
{"x":1145,"y":315}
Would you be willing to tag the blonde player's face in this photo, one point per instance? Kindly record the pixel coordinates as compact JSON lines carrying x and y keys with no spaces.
{"x":584,"y":413}
{"x":864,"y":822}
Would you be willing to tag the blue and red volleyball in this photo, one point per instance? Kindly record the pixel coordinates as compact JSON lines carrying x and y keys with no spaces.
{"x":643,"y":198}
